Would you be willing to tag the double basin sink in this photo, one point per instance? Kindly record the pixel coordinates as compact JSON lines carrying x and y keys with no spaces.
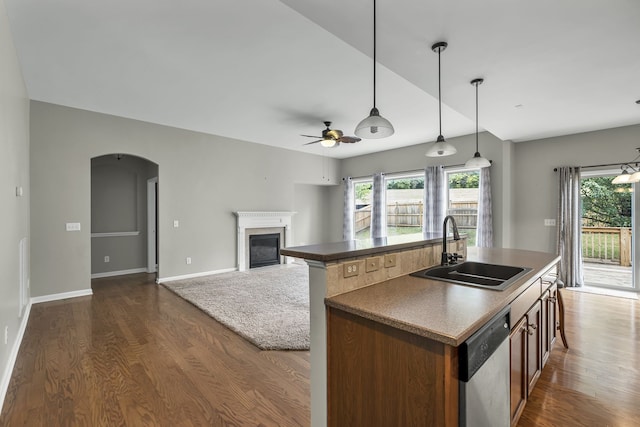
{"x":477,"y":274}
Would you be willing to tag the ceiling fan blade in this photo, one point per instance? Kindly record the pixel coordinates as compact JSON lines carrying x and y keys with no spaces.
{"x":312,"y":142}
{"x":349,"y":139}
{"x":311,"y":136}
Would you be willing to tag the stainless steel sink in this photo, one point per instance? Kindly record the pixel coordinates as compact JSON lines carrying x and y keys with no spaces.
{"x":481,"y":275}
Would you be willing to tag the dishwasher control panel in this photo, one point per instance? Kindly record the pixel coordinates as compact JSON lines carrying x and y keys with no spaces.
{"x":481,"y":345}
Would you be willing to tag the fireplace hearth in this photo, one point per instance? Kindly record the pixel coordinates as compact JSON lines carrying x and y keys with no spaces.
{"x":264,"y":249}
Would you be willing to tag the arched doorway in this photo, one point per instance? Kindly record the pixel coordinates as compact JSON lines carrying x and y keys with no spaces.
{"x":123,"y":215}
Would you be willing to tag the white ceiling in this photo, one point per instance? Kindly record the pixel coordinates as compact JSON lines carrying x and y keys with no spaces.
{"x":267,"y":71}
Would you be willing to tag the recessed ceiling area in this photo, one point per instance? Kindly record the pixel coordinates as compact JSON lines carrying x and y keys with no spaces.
{"x":269,"y":71}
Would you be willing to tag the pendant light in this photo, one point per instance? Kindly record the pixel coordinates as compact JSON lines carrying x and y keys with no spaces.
{"x":477,"y":161}
{"x":441,"y":147}
{"x":374,"y":126}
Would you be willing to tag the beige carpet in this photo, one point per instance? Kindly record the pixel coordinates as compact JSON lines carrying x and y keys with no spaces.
{"x":268,"y":306}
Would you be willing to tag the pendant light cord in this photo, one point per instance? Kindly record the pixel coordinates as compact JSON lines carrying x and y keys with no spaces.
{"x":439,"y":94}
{"x":374,"y":53}
{"x":477,"y":83}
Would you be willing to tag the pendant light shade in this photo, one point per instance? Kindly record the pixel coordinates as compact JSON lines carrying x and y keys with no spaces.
{"x":477,"y":161}
{"x":441,"y":147}
{"x":374,"y":126}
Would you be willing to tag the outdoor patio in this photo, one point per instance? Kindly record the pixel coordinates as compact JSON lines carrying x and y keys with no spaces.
{"x":608,"y":275}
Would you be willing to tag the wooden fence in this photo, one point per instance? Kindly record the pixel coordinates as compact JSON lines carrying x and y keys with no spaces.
{"x":410,"y":214}
{"x":607,"y":245}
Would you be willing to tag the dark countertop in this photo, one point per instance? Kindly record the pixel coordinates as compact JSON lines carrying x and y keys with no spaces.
{"x":354,"y":248}
{"x":442,"y":311}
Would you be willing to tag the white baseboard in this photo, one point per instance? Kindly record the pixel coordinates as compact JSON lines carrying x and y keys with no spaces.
{"x":190,"y":276}
{"x":119,"y":273}
{"x":13,"y":356}
{"x":63,"y":295}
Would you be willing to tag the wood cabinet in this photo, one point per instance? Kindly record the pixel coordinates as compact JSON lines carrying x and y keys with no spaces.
{"x":549,"y":321}
{"x":534,"y":345}
{"x":381,"y":376}
{"x":531,"y":340}
{"x":518,"y":350}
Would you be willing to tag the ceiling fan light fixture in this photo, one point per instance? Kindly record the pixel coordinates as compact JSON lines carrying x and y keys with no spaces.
{"x":328,"y":143}
{"x":441,"y":147}
{"x":477,"y":161}
{"x":374,"y":126}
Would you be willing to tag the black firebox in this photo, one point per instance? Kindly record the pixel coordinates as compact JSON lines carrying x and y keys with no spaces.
{"x":264,"y":249}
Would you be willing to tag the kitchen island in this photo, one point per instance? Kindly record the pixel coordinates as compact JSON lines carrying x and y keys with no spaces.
{"x":366,"y":287}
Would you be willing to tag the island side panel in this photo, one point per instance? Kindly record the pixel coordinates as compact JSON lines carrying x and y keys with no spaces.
{"x":382,"y":376}
{"x":318,"y":343}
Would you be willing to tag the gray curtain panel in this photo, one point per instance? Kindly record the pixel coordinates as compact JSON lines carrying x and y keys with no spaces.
{"x":570,"y":272}
{"x":484,"y":232}
{"x":349,"y":210}
{"x":379,"y":214}
{"x":434,"y":199}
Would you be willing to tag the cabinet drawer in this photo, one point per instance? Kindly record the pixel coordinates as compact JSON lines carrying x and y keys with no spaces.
{"x":524,"y":301}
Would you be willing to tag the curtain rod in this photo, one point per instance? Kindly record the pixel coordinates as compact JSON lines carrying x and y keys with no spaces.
{"x":415,"y":171}
{"x":602,"y":165}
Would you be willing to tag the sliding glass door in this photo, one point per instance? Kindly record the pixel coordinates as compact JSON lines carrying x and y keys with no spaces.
{"x":609,"y":222}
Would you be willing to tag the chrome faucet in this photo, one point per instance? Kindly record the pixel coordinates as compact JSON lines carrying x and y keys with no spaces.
{"x":448,"y":258}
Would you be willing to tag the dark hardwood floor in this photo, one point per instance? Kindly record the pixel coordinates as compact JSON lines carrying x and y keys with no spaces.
{"x":135,"y":354}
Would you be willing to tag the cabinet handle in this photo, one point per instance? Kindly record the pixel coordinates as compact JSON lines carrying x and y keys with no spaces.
{"x":530,"y":332}
{"x":553,"y":299}
{"x":533,"y":326}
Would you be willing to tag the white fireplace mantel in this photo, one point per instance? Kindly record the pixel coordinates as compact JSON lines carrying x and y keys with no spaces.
{"x":257,"y":220}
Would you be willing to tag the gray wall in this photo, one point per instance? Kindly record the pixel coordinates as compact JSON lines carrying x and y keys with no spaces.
{"x":14,"y":172}
{"x":535,"y":184}
{"x":413,"y":158}
{"x":203,"y":179}
{"x":119,"y":203}
{"x":310,"y":203}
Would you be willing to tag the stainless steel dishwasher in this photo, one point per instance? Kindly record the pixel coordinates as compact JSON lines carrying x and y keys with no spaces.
{"x":484,"y":375}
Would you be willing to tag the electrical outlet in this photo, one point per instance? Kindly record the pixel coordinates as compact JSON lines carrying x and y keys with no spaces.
{"x":176,"y":223}
{"x":350,"y":269}
{"x":6,"y":335}
{"x":106,"y":258}
{"x":389,"y":260}
{"x":72,"y":226}
{"x":188,"y":260}
{"x":372,"y":264}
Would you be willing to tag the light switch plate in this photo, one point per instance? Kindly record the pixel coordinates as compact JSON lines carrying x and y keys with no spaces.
{"x":176,"y":223}
{"x":549,"y":222}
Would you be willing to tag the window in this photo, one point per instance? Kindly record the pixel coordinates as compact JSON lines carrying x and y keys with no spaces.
{"x":462,"y":200}
{"x":404,"y":199}
{"x":363,"y":191}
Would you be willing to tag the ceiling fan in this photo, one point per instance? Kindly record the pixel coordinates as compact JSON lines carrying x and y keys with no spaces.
{"x":332,"y":137}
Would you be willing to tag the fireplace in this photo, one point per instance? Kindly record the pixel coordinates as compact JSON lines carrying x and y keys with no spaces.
{"x":258,"y":224}
{"x":264,"y":249}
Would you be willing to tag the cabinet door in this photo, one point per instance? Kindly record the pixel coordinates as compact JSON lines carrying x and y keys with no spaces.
{"x":552,"y":315}
{"x":534,"y":343}
{"x":545,"y":327}
{"x":518,"y":353}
